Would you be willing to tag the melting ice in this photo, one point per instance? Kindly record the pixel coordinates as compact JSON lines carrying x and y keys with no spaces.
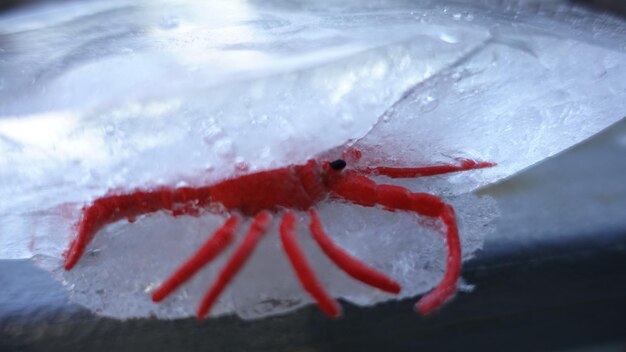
{"x":119,"y":95}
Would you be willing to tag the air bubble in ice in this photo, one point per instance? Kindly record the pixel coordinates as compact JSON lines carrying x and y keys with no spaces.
{"x":169,"y":22}
{"x":428,"y":103}
{"x":109,"y":129}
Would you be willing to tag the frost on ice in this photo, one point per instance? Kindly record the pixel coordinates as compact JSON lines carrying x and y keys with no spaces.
{"x":115,"y":95}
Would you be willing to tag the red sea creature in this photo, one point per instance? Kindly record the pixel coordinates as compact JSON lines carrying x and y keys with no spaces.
{"x":280,"y":191}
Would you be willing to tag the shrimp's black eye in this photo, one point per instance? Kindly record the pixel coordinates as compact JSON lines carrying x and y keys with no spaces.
{"x":337,"y":164}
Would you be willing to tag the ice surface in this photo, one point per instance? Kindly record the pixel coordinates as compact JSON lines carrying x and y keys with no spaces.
{"x":118,"y":95}
{"x":541,"y":101}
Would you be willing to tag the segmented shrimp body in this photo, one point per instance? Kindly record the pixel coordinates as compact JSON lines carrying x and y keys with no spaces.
{"x":281,"y":191}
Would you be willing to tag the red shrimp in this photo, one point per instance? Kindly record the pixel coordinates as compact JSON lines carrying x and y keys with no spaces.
{"x":281,"y":191}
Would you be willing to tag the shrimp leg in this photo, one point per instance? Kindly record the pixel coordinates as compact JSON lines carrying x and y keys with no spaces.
{"x":303,"y":269}
{"x":258,"y":228}
{"x":215,"y":245}
{"x":347,"y":263}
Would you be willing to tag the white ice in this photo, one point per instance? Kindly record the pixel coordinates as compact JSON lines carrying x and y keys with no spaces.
{"x":119,"y":95}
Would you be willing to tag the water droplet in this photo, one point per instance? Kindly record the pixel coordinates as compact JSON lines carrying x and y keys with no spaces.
{"x":241,"y":166}
{"x":427,"y":103}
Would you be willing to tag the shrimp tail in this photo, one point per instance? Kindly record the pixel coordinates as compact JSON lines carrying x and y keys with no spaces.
{"x":113,"y":207}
